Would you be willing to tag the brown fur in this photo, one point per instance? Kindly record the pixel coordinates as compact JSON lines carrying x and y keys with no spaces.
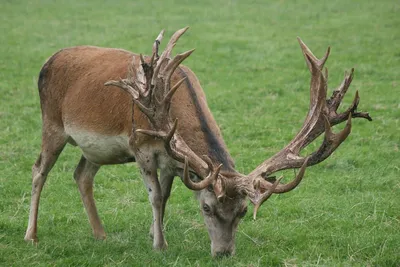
{"x":73,"y":92}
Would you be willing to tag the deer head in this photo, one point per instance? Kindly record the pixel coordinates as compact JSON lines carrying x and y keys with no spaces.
{"x":222,"y":194}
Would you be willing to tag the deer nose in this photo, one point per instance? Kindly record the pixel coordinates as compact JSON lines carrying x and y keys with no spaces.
{"x":223,"y":250}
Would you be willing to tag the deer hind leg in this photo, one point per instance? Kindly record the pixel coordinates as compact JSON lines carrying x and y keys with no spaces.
{"x":53,"y":142}
{"x":149,"y":173}
{"x":84,"y":177}
{"x":166,"y":180}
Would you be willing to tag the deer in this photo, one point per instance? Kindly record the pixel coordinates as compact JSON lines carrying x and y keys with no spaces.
{"x":158,"y":117}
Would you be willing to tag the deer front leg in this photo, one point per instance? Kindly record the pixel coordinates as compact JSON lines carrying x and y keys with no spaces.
{"x":166,"y":180}
{"x":84,"y":176}
{"x":150,"y":178}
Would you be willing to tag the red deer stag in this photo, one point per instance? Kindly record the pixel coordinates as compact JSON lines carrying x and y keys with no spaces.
{"x":161,"y":121}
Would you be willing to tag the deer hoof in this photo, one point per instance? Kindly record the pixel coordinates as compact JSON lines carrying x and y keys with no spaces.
{"x":160,"y":246}
{"x":30,"y":238}
{"x":100,"y":236}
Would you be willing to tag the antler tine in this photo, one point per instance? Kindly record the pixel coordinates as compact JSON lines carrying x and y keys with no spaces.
{"x":311,"y":58}
{"x":276,"y":188}
{"x":123,"y":85}
{"x":172,"y":42}
{"x":178,"y":59}
{"x":135,"y":93}
{"x":211,"y":178}
{"x":157,"y":42}
{"x":331,"y":141}
{"x":339,"y":93}
{"x":283,"y":188}
{"x":167,"y":52}
{"x":335,"y":100}
{"x":168,"y":97}
{"x":318,"y":91}
{"x":218,"y":184}
{"x":160,"y":134}
{"x":259,"y":198}
{"x":353,"y":107}
{"x":173,"y":64}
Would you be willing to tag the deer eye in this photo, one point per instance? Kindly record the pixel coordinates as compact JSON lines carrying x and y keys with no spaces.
{"x":206,"y":208}
{"x":243,"y":213}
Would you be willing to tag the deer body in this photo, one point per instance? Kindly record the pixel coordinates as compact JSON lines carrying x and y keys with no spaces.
{"x":79,"y":109}
{"x":82,"y":104}
{"x":99,"y":119}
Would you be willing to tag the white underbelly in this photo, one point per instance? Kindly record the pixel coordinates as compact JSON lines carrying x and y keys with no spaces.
{"x":102,"y":149}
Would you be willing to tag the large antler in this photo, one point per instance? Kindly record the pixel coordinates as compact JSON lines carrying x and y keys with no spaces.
{"x":322,"y":115}
{"x":150,"y":87}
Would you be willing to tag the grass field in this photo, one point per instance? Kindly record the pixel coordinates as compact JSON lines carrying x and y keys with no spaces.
{"x":346,"y":212}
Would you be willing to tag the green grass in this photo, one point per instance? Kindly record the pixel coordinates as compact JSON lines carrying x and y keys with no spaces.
{"x":345,"y":213}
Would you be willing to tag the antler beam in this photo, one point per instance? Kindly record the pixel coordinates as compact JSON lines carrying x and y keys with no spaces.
{"x":322,"y":115}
